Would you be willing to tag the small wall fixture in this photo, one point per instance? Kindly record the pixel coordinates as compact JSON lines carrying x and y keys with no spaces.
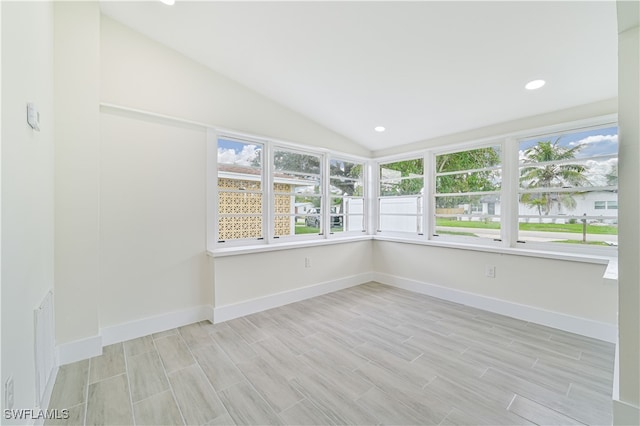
{"x":534,"y":84}
{"x":33,"y":116}
{"x":379,"y":129}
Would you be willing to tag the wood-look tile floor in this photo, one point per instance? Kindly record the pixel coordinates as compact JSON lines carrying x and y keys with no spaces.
{"x":371,"y":354}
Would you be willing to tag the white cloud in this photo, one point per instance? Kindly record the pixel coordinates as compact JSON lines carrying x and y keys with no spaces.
{"x":595,"y":139}
{"x":597,"y":171}
{"x":242,"y":158}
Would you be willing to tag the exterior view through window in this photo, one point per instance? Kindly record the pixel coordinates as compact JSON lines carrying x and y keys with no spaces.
{"x":467,"y":195}
{"x":562,"y":191}
{"x":346,"y":186}
{"x":568,"y":191}
{"x":297,"y":193}
{"x":240,"y":196}
{"x":400,"y":196}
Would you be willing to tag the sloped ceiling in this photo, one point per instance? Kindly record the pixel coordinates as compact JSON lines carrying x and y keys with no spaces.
{"x":420,"y":69}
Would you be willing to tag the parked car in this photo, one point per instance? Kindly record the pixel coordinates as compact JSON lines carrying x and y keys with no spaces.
{"x":314,"y":221}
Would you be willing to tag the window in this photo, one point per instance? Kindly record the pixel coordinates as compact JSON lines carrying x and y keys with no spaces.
{"x":401,"y":196}
{"x":346,"y":188}
{"x":550,"y":192}
{"x":262,"y":192}
{"x":240,"y":195}
{"x":297,"y":193}
{"x":568,"y":189}
{"x":555,"y":191}
{"x":605,"y":205}
{"x":467,"y":193}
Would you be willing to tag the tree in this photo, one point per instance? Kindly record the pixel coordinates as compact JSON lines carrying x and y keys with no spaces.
{"x":553,"y":175}
{"x":478,"y":181}
{"x":298,"y":163}
{"x":394,"y":184}
{"x":345,"y":176}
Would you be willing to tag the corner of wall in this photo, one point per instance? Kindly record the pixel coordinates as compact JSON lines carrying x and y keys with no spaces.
{"x":77,"y":168}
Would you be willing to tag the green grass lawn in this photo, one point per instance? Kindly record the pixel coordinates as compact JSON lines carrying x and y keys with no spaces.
{"x":542,"y":227}
{"x":302,"y":229}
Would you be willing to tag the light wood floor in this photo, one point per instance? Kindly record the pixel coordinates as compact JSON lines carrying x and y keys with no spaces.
{"x":370,"y":354}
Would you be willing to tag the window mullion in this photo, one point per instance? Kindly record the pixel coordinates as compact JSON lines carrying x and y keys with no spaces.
{"x":510,"y":185}
{"x":428,"y":226}
{"x":372,"y":191}
{"x":325,"y":198}
{"x":268,"y":194}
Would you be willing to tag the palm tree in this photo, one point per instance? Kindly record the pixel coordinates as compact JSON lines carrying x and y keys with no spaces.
{"x":549,"y":174}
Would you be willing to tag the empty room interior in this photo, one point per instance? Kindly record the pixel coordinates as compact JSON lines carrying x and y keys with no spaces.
{"x":320,"y":212}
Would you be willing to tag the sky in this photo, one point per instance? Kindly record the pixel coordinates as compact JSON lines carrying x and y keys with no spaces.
{"x":596,"y":142}
{"x":240,"y":153}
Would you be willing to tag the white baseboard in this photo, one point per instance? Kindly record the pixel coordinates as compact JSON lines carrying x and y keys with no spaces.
{"x":625,"y":414}
{"x":145,"y":326}
{"x":88,"y":348}
{"x":92,"y":346}
{"x":79,"y":350}
{"x":583,"y":326}
{"x":236,"y":310}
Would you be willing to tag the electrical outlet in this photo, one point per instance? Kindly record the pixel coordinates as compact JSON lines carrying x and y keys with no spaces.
{"x":490,"y":271}
{"x":8,"y":393}
{"x":307,"y":262}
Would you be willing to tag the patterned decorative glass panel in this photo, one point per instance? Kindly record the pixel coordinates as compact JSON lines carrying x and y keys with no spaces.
{"x":240,"y":196}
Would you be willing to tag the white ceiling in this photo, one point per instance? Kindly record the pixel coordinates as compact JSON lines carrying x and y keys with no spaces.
{"x":421,"y":69}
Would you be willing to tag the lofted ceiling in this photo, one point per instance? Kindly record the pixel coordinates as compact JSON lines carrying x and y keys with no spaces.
{"x":420,"y":69}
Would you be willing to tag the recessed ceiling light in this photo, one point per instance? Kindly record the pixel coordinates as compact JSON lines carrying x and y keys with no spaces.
{"x":379,"y":129}
{"x":534,"y":84}
{"x":168,"y":2}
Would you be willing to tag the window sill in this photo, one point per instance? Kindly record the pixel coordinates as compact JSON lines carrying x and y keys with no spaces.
{"x":249,"y":249}
{"x":610,"y":275}
{"x":572,"y":257}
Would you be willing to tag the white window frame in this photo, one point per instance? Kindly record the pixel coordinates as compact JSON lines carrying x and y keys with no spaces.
{"x":497,"y":242}
{"x":508,"y":194}
{"x":269,"y":240}
{"x":293,"y":237}
{"x":376,"y":199}
{"x":213,"y":240}
{"x":365,"y":194}
{"x":583,"y":125}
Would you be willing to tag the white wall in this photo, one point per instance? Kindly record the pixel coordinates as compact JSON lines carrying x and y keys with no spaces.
{"x":27,"y":187}
{"x":152,"y":219}
{"x":153,"y":177}
{"x":251,"y":276}
{"x":569,"y":288}
{"x":77,"y":183}
{"x":627,"y":410}
{"x":140,"y":73}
